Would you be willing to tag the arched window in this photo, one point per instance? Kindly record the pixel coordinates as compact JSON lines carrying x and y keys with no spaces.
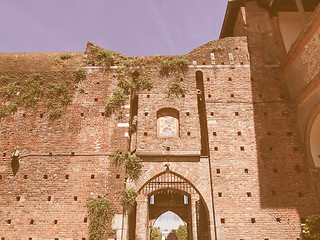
{"x":315,"y":140}
{"x":168,"y":123}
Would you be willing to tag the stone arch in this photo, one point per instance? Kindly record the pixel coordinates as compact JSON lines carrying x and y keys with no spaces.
{"x":312,"y":138}
{"x":180,"y":185}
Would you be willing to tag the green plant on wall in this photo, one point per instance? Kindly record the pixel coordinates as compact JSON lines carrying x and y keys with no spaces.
{"x":176,"y":88}
{"x":133,"y":163}
{"x":215,"y":48}
{"x":311,"y":228}
{"x":100,"y":211}
{"x":28,"y":90}
{"x":102,"y":57}
{"x":131,"y":80}
{"x":128,"y":198}
{"x":174,"y":64}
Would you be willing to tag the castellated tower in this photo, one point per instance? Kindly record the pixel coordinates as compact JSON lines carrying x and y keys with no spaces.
{"x":224,"y":136}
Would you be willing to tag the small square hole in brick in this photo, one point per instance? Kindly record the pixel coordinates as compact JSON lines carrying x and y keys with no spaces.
{"x":241,"y":63}
{"x":72,"y":153}
{"x":183,"y":95}
{"x":49,"y":198}
{"x":278,"y":219}
{"x":50,"y":154}
{"x":188,"y":133}
{"x":24,"y":115}
{"x":4,"y":155}
{"x":270,"y":148}
{"x":56,"y":239}
{"x":230,"y":79}
{"x":25,"y":176}
{"x":96,"y":99}
{"x":146,"y":113}
{"x":300,"y":194}
{"x":289,"y":134}
{"x":253,"y":220}
{"x":220,"y":194}
{"x":82,"y":114}
{"x":295,"y":149}
{"x":92,"y":176}
{"x":269,"y":133}
{"x":168,"y":148}
{"x":212,"y":113}
{"x":66,"y":176}
{"x":45,"y":176}
{"x":216,"y":148}
{"x":117,"y":176}
{"x":214,"y":133}
{"x":85,"y":220}
{"x":83,"y":238}
{"x":31,"y":221}
{"x":239,"y":133}
{"x":260,"y":95}
{"x":209,"y":95}
{"x":236,"y":113}
{"x":242,"y":148}
{"x":188,"y":114}
{"x":55,"y":221}
{"x":9,"y":221}
{"x":18,"y":198}
{"x":275,"y":170}
{"x":265,"y":113}
{"x":222,"y":63}
{"x":145,"y":134}
{"x":102,"y":114}
{"x":273,"y":192}
{"x":75,"y":198}
{"x":41,"y":115}
{"x":232,"y":95}
{"x":222,"y":220}
{"x":246,"y":170}
{"x":218,"y":171}
{"x":208,"y":79}
{"x":249,"y":194}
{"x":148,"y":95}
{"x":0,"y":177}
{"x":30,"y":238}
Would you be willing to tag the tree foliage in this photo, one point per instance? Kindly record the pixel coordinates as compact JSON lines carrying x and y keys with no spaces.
{"x":155,"y":234}
{"x":182,"y":233}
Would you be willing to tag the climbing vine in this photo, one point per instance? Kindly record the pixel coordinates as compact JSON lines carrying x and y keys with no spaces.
{"x":128,"y":198}
{"x":133,"y":163}
{"x":100,"y":211}
{"x":174,"y":64}
{"x":27,"y":90}
{"x":177,"y":88}
{"x":311,"y":228}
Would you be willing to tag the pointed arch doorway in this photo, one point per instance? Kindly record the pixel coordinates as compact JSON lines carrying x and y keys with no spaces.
{"x":169,"y":191}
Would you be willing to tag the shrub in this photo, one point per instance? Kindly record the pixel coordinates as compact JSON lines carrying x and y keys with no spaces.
{"x":177,"y":88}
{"x":173,"y":64}
{"x":311,"y":228}
{"x":216,"y":48}
{"x":3,"y":110}
{"x":119,"y":158}
{"x":10,"y":90}
{"x":99,"y":211}
{"x":55,"y":113}
{"x":65,"y":56}
{"x":117,"y":99}
{"x":79,"y":73}
{"x":4,"y":79}
{"x":128,"y":198}
{"x":103,"y":57}
{"x":133,"y":166}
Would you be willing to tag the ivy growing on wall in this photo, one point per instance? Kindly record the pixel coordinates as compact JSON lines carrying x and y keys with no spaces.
{"x":128,"y":198}
{"x":100,"y":211}
{"x":177,"y":63}
{"x":177,"y":88}
{"x":311,"y":228}
{"x":28,"y":90}
{"x":133,"y":163}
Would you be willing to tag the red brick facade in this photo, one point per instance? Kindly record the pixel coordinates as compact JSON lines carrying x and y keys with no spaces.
{"x":254,"y":182}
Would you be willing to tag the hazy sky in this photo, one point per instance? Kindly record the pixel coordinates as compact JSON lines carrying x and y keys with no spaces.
{"x":131,"y":27}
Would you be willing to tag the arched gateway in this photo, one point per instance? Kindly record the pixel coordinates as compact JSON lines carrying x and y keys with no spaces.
{"x":164,"y":192}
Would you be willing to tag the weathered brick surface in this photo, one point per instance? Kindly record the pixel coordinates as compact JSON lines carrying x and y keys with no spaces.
{"x":261,"y":187}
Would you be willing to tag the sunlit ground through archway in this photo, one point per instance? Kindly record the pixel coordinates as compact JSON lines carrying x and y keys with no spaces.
{"x":167,"y":222}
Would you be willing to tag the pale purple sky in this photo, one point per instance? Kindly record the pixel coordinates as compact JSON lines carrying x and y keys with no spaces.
{"x":131,"y":27}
